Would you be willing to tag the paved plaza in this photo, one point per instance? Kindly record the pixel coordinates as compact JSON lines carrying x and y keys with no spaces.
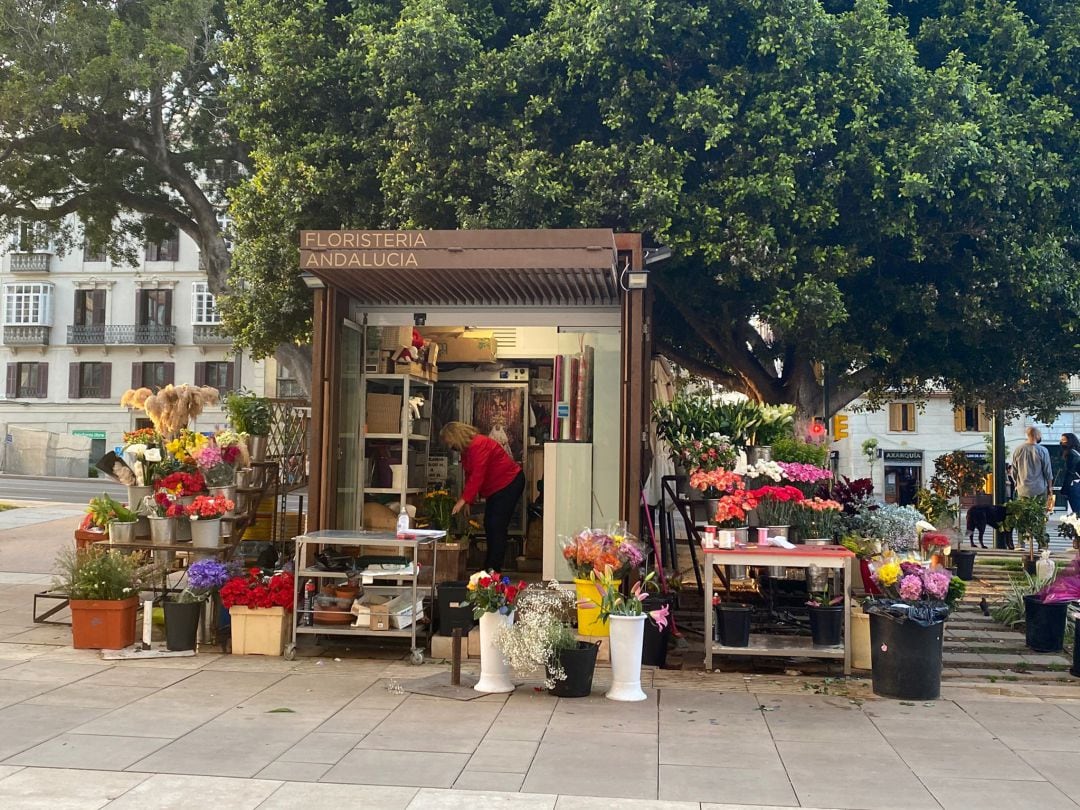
{"x":247,"y":732}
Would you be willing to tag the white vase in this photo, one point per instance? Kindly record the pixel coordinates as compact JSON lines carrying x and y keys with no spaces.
{"x":627,"y":637}
{"x":494,"y":671}
{"x":206,"y":533}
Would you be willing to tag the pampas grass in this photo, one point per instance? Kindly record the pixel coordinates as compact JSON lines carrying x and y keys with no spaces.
{"x":173,"y":407}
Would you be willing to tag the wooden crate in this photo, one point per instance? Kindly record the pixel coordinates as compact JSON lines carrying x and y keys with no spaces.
{"x":259,"y":631}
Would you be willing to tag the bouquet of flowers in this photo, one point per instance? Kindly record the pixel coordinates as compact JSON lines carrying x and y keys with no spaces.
{"x":817,"y":517}
{"x":910,"y":588}
{"x":183,"y":447}
{"x":142,"y":460}
{"x":259,"y":591}
{"x":491,"y":593}
{"x":614,"y":603}
{"x":162,"y":504}
{"x":205,"y":576}
{"x":776,"y":505}
{"x":715,"y":482}
{"x":209,"y":507}
{"x":181,"y":484}
{"x":714,"y":452}
{"x":213,"y":466}
{"x":438,"y":504}
{"x":806,"y":477}
{"x":595,"y":550}
{"x":760,"y":472}
{"x":732,"y":509}
{"x":234,"y":448}
{"x":1070,"y":527}
{"x":894,"y":525}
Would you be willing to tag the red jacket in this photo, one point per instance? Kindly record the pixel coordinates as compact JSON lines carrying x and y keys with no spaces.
{"x":487,"y":468}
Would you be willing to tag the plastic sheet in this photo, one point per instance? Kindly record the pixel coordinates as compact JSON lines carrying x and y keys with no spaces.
{"x":921,"y":613}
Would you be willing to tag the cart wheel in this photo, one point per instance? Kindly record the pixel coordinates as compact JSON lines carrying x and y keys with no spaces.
{"x":417,"y":657}
{"x":290,"y":652}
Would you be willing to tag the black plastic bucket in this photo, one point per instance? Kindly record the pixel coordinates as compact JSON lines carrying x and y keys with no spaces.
{"x":826,"y":624}
{"x":906,"y":658}
{"x":454,"y":608}
{"x":734,"y":623}
{"x":655,"y":644}
{"x":578,"y":664}
{"x":1075,"y":671}
{"x":1045,"y":624}
{"x":965,"y":564}
{"x":182,"y":624}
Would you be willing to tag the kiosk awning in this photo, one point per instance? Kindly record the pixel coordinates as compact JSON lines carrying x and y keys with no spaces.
{"x":520,"y":268}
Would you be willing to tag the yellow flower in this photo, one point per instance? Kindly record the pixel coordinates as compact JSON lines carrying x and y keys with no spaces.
{"x":888,"y":573}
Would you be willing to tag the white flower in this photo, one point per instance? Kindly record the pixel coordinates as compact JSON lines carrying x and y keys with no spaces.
{"x":135,"y":450}
{"x":474,"y":580}
{"x":153,"y":454}
{"x":922,"y":526}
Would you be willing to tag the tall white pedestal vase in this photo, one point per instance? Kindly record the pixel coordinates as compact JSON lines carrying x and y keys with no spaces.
{"x":627,"y":637}
{"x":494,"y":671}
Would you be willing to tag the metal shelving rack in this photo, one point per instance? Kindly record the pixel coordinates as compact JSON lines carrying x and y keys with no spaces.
{"x":343,"y":538}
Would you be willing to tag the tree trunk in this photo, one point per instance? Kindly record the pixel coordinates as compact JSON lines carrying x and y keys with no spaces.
{"x":298,"y":360}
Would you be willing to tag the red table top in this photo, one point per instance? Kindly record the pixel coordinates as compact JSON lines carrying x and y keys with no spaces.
{"x":773,"y":551}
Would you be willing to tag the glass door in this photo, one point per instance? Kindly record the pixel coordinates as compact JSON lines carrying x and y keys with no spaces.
{"x":351,"y":354}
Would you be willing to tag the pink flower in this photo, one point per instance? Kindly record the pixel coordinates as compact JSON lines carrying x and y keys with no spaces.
{"x":937,"y":583}
{"x":911,"y":587}
{"x":660,"y":616}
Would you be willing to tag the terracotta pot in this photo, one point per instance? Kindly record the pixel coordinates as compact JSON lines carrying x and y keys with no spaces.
{"x":103,"y":624}
{"x":85,"y":539}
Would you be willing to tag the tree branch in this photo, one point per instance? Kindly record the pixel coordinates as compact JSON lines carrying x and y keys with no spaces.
{"x":701,"y":369}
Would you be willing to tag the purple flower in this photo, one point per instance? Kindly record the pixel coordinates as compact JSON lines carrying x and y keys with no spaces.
{"x":909,"y":567}
{"x":207,"y":575}
{"x":911,"y":587}
{"x":937,"y":583}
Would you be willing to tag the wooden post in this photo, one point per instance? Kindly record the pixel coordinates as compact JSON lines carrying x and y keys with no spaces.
{"x":455,"y":658}
{"x":636,"y":385}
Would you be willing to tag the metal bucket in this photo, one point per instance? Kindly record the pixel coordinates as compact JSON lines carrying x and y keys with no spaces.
{"x":122,"y":532}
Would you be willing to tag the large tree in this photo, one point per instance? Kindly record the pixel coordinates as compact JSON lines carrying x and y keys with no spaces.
{"x":883,"y":194}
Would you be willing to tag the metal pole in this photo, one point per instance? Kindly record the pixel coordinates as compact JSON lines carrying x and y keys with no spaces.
{"x":999,"y":470}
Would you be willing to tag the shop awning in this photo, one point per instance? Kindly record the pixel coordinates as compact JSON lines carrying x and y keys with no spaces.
{"x":523,"y":268}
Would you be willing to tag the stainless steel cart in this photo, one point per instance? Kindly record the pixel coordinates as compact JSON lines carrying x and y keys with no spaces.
{"x":343,"y":538}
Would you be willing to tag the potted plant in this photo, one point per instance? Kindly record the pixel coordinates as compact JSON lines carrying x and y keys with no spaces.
{"x":163,"y":510}
{"x":807,"y":478}
{"x":956,"y":474}
{"x":541,"y":639}
{"x":907,"y":630}
{"x":205,"y":514}
{"x":591,"y":551}
{"x":1045,"y":611}
{"x":776,"y":507}
{"x":118,"y":520}
{"x":817,"y":518}
{"x":251,"y":415}
{"x":205,"y":578}
{"x":183,"y":485}
{"x":258,"y":608}
{"x":493,"y":598}
{"x":450,"y":553}
{"x":1027,"y":517}
{"x":626,"y":614}
{"x":102,"y":587}
{"x":219,"y":475}
{"x":826,"y":617}
{"x":774,"y":422}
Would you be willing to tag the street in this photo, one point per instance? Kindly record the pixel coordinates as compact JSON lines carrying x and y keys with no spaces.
{"x":58,"y":490}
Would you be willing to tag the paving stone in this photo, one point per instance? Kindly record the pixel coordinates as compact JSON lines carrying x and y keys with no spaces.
{"x":89,"y":752}
{"x":54,"y":788}
{"x":959,"y":793}
{"x":321,"y":747}
{"x":405,"y":768}
{"x":1062,"y":769}
{"x":468,"y":799}
{"x":294,"y":771}
{"x":489,"y":780}
{"x":593,"y":803}
{"x":369,"y":797}
{"x":503,"y":756}
{"x":25,"y":726}
{"x":557,"y":766}
{"x":179,"y":792}
{"x":409,"y":726}
{"x":737,"y":785}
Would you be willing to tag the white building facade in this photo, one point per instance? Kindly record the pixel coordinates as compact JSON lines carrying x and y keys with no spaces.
{"x":79,"y":330}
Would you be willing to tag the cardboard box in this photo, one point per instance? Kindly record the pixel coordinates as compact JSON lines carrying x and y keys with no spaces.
{"x":394,"y":337}
{"x":383,"y":413}
{"x":478,"y":347}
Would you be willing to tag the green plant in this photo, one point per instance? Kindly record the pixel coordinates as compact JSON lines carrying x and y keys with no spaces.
{"x":790,"y":449}
{"x":937,"y":509}
{"x":1011,"y":611}
{"x":104,"y":510}
{"x":869,"y":449}
{"x":1027,"y":517}
{"x":957,"y":589}
{"x":776,"y":422}
{"x":96,"y":573}
{"x":862,"y":547}
{"x":248,"y":413}
{"x":955,"y":474}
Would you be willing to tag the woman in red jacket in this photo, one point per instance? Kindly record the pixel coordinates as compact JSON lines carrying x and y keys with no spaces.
{"x":489,"y":474}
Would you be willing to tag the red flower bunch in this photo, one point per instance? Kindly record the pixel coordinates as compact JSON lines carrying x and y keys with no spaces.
{"x":719,"y":480}
{"x":230,"y":454}
{"x":209,"y":507}
{"x":492,"y":593}
{"x":182,"y":483}
{"x":258,"y":591}
{"x":776,"y":505}
{"x":732,"y":509}
{"x":167,"y":504}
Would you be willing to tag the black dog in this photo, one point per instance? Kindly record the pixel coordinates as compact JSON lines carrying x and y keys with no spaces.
{"x":983,"y":515}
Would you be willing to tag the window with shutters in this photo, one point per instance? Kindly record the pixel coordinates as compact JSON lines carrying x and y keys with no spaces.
{"x":28,"y":304}
{"x":89,"y":381}
{"x":166,"y":250}
{"x":151,"y":375}
{"x":93,"y":254}
{"x":902,"y":417}
{"x":155,"y":307}
{"x":203,"y":305}
{"x":971,"y":419}
{"x":218,"y":375}
{"x":31,"y":380}
{"x":89,"y":307}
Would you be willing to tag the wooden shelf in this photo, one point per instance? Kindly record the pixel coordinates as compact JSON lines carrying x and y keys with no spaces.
{"x":413,"y":437}
{"x":390,"y":491}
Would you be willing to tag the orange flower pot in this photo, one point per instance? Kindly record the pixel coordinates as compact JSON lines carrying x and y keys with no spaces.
{"x":103,"y":624}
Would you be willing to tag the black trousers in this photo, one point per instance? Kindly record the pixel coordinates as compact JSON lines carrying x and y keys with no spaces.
{"x":498,"y":511}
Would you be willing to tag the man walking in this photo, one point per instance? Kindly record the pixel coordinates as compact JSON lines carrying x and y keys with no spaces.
{"x":1031,"y":467}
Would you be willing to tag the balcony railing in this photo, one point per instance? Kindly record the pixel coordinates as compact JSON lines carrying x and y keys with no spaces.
{"x":30,"y":262}
{"x":209,"y":333}
{"x":122,"y":335}
{"x":26,"y":335}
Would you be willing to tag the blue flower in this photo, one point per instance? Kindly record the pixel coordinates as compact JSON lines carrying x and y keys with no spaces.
{"x":504,"y":610}
{"x":506,"y":580}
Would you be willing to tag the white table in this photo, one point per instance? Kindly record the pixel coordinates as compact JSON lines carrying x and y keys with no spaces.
{"x":835,"y":557}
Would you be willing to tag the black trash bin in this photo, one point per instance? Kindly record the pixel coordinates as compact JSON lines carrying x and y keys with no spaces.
{"x":655,"y":645}
{"x":734,"y":623}
{"x":454,"y":608}
{"x":1044,"y":624}
{"x":906,"y":657}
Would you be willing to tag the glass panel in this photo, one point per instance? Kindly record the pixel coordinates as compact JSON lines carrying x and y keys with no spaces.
{"x":351,"y":353}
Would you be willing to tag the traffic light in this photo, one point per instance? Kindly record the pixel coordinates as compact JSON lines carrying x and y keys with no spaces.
{"x":839,"y":427}
{"x":817,"y":429}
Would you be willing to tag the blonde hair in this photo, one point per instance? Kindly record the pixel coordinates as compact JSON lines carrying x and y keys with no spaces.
{"x":457,"y":435}
{"x":1034,"y":434}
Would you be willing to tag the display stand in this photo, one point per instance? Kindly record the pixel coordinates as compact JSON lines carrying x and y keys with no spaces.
{"x":342,"y":538}
{"x":833,"y":557}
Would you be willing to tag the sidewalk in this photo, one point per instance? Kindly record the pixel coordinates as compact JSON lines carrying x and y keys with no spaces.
{"x":247,"y":732}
